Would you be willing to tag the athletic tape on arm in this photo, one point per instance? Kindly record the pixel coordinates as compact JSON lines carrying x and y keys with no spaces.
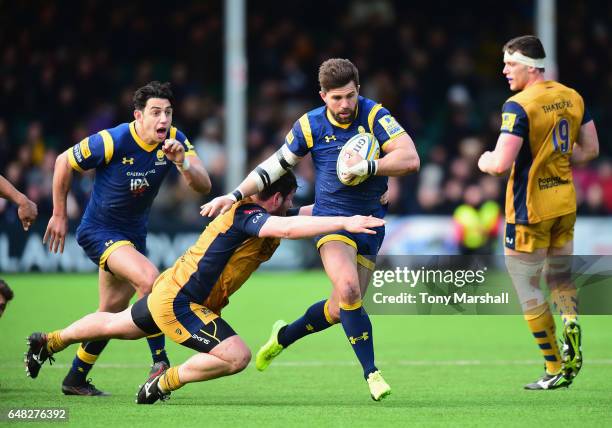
{"x":274,"y":167}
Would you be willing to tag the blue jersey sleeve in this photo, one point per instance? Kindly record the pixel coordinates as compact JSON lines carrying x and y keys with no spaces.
{"x":89,"y":153}
{"x":385,"y":127}
{"x":299,"y":139}
{"x":249,"y":218}
{"x":514,"y":120}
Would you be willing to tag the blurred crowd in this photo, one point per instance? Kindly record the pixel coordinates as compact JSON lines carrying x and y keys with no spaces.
{"x":68,"y":71}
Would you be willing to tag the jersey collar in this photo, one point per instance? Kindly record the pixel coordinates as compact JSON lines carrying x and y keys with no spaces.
{"x":340,"y":125}
{"x":144,"y":146}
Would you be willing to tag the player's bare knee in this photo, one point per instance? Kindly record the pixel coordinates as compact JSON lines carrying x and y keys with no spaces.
{"x":240,"y":361}
{"x":239,"y":357}
{"x":349,"y":293}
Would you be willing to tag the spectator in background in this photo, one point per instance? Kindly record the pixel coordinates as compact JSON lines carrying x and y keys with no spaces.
{"x":476,"y":222}
{"x":210,"y":149}
{"x":5,"y":147}
{"x":605,"y":178}
{"x":439,"y":76}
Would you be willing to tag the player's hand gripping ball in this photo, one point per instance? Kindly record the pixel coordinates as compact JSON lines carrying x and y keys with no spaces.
{"x":366,"y":147}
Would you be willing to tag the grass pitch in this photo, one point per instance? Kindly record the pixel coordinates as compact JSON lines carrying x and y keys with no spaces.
{"x":444,"y":370}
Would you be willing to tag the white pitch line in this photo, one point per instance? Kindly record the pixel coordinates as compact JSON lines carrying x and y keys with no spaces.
{"x":347,"y":363}
{"x":598,"y":362}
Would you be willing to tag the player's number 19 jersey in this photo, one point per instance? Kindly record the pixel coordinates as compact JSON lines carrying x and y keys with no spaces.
{"x":548,"y":116}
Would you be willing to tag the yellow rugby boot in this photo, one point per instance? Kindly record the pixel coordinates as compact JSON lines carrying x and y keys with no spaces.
{"x":379,"y":389}
{"x":270,"y":349}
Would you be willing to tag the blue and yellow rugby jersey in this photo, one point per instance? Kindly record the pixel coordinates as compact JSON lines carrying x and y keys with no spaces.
{"x":318,"y":133}
{"x":129,"y":173}
{"x":223,"y":258}
{"x":548,"y":116}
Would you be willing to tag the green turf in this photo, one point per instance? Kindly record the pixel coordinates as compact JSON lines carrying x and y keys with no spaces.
{"x":444,"y":370}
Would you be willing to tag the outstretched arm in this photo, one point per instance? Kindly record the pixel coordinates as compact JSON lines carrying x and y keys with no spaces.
{"x":262,"y":176}
{"x":306,"y":210}
{"x":306,"y":226}
{"x":27,"y":210}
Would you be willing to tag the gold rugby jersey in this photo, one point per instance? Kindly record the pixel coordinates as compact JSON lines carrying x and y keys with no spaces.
{"x":548,"y":116}
{"x":223,"y":258}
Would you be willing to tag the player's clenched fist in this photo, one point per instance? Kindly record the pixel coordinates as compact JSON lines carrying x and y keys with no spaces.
{"x":174,"y":150}
{"x":27,"y":213}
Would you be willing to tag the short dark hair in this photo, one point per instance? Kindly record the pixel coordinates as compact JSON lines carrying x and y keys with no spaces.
{"x":5,"y":290}
{"x":285,"y":185}
{"x":337,"y":72}
{"x":528,"y":45}
{"x":152,"y":89}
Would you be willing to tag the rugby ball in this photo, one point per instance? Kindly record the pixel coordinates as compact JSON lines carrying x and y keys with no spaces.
{"x":366,"y":145}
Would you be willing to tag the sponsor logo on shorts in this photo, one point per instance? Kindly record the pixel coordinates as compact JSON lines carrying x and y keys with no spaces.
{"x":200,"y":338}
{"x":549,"y":182}
{"x":510,"y":236}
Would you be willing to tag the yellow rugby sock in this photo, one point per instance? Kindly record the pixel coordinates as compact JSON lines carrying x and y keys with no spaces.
{"x":54,"y":342}
{"x":170,"y":381}
{"x":542,"y":326}
{"x":566,"y":301}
